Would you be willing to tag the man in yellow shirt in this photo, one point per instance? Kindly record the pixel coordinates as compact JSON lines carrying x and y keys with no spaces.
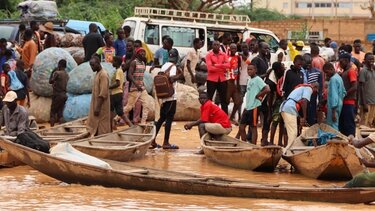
{"x":296,"y":49}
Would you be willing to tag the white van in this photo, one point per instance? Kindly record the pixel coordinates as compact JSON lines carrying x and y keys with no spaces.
{"x":151,"y":24}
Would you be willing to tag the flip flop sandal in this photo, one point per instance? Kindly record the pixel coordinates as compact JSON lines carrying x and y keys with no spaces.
{"x":170,"y":146}
{"x":157,"y":146}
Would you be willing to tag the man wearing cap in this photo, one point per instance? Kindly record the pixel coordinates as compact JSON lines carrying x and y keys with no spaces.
{"x":14,"y":117}
{"x":294,"y":51}
{"x":136,"y":86}
{"x":349,"y":77}
{"x":49,"y":40}
{"x":169,"y":105}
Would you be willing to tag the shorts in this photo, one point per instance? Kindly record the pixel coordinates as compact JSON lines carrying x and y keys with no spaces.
{"x":116,"y":104}
{"x":216,"y":129}
{"x":250,"y":117}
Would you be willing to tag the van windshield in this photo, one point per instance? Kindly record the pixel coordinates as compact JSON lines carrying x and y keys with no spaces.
{"x":6,"y":32}
{"x":182,"y":36}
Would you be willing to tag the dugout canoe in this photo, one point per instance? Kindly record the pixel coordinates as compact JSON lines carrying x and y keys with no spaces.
{"x":232,"y":152}
{"x":336,"y":160}
{"x":68,"y":131}
{"x":126,"y":176}
{"x":123,"y":145}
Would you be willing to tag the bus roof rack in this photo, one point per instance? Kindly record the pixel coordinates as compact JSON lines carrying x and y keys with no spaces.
{"x":182,"y":15}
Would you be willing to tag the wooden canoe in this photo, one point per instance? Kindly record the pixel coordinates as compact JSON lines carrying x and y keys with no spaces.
{"x":126,"y":176}
{"x":124,"y":145}
{"x":69,"y":131}
{"x":336,"y":160}
{"x":232,"y":152}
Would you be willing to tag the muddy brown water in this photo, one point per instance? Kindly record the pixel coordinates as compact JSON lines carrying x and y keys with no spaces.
{"x":25,"y":188}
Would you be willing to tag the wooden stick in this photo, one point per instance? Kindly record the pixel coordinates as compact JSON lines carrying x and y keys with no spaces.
{"x":75,"y":126}
{"x":133,"y":134}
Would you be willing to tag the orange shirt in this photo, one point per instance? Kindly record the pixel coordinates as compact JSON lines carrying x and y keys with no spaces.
{"x":28,"y":53}
{"x":360,"y":56}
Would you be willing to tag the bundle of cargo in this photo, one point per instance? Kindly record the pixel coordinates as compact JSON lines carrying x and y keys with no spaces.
{"x":38,"y":10}
{"x":69,"y":40}
{"x":44,"y":64}
{"x":78,"y":54}
{"x":81,"y":78}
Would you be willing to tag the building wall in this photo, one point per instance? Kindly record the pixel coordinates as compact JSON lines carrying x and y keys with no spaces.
{"x":317,"y":8}
{"x":340,"y":30}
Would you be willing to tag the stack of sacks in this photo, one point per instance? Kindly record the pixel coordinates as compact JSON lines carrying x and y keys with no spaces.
{"x":44,"y":64}
{"x":79,"y":90}
{"x":69,"y":40}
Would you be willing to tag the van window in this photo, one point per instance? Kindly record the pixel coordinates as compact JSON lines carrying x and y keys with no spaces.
{"x":272,"y":42}
{"x":182,"y":36}
{"x":152,"y":34}
{"x":132,"y":25}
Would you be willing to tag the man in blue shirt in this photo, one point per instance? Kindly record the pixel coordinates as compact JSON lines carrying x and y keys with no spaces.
{"x":120,"y":44}
{"x":291,"y":107}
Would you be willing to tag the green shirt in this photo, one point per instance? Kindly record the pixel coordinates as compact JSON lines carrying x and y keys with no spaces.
{"x":254,"y":86}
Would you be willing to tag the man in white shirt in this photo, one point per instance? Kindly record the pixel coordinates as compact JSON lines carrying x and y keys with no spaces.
{"x":169,"y":105}
{"x":190,"y":63}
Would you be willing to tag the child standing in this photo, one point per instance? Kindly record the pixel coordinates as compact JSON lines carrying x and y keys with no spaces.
{"x":107,"y":52}
{"x":59,"y":79}
{"x":255,"y":90}
{"x":116,"y":88}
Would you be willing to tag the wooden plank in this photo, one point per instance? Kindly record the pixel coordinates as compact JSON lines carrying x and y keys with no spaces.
{"x":224,"y":147}
{"x":60,"y":133}
{"x":133,"y":134}
{"x":62,"y":136}
{"x":301,"y":148}
{"x":113,"y":142}
{"x":221,"y":142}
{"x":75,"y":126}
{"x":136,"y":171}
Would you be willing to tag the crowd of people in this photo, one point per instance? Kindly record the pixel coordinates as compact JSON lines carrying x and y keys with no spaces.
{"x":334,"y":87}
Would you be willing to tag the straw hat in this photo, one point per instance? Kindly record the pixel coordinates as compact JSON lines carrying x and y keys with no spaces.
{"x":47,"y":27}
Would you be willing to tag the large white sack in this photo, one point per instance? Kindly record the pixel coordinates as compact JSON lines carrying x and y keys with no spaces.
{"x":82,"y":77}
{"x":44,"y":64}
{"x":66,"y":151}
{"x":38,"y":9}
{"x":40,"y":108}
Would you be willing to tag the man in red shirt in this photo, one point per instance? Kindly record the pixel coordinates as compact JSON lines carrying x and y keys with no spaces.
{"x":233,"y":83}
{"x":349,"y":76}
{"x":213,"y":119}
{"x":217,"y":64}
